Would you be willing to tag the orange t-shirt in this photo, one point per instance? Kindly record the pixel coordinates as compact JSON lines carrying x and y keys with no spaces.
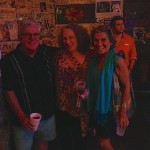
{"x":127,"y":44}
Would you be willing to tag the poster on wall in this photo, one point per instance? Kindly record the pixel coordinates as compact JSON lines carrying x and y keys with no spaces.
{"x":7,"y":13}
{"x":106,"y":9}
{"x":63,"y":2}
{"x":7,"y":46}
{"x":81,"y":13}
{"x":8,"y":30}
{"x":8,"y":24}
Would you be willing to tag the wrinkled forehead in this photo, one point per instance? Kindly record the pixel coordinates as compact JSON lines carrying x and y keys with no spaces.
{"x":32,"y":27}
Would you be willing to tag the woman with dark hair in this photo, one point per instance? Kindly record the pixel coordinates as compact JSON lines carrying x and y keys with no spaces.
{"x":70,"y":67}
{"x":101,"y":102}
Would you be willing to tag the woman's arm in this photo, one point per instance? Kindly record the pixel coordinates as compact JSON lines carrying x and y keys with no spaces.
{"x":123,"y":74}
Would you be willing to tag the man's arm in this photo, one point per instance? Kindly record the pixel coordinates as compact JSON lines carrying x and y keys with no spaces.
{"x":13,"y":102}
{"x":8,"y":85}
{"x":133,"y":57}
{"x":131,"y":65}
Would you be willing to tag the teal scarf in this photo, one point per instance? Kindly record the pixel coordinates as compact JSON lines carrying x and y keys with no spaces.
{"x":100,"y":87}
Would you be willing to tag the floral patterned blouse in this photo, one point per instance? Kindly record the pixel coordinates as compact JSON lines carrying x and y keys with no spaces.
{"x":67,"y":72}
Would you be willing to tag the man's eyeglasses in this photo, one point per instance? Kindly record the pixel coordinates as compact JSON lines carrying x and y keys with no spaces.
{"x":28,"y":35}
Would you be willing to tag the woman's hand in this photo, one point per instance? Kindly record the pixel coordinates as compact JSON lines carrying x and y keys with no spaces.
{"x":123,"y":118}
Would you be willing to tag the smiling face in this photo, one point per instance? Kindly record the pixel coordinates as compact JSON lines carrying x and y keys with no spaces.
{"x":30,"y":39}
{"x":101,"y":42}
{"x":70,"y":40}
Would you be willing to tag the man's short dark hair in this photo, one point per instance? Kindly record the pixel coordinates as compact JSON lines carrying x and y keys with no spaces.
{"x":113,"y":20}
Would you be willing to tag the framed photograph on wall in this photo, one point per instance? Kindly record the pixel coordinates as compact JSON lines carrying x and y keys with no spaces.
{"x":108,"y":8}
{"x":80,"y":13}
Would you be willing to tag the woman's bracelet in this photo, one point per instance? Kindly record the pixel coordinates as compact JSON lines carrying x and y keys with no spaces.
{"x":124,"y":105}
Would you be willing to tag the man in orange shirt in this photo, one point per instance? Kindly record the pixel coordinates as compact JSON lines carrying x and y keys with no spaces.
{"x":123,"y":41}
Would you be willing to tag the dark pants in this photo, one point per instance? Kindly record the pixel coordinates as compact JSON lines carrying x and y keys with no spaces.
{"x":69,"y":132}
